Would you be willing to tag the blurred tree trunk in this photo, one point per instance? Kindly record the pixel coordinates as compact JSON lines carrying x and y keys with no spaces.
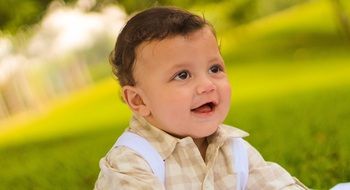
{"x":342,"y":17}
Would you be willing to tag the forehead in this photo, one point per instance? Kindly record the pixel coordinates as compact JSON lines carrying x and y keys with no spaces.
{"x":161,"y":55}
{"x":174,"y":45}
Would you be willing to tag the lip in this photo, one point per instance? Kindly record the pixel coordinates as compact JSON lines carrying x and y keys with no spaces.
{"x":201,"y":103}
{"x":205,"y":112}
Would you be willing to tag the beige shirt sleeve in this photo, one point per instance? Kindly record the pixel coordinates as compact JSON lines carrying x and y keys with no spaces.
{"x":268,"y":175}
{"x":117,"y":172}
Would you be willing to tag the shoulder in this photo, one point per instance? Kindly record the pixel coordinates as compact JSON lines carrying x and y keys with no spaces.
{"x":231,"y":131}
{"x":122,"y":168}
{"x":124,"y":159}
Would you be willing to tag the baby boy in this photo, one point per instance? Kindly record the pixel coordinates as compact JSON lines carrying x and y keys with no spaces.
{"x":174,"y":80}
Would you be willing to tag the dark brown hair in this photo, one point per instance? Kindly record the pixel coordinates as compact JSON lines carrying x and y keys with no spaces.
{"x":151,"y":24}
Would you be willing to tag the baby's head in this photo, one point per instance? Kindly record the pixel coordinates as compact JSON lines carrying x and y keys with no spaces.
{"x":171,"y":72}
{"x":152,"y":24}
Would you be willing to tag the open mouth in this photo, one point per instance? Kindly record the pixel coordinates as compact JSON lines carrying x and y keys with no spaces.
{"x":205,"y":108}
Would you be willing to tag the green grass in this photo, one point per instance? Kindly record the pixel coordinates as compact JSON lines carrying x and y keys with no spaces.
{"x":89,"y":109}
{"x":69,"y":162}
{"x":296,"y":33}
{"x":266,"y":78}
{"x":306,"y":132}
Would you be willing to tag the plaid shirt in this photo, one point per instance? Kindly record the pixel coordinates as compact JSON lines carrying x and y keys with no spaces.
{"x":184,"y":165}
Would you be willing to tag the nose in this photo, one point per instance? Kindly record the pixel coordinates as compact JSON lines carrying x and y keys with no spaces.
{"x":205,"y":85}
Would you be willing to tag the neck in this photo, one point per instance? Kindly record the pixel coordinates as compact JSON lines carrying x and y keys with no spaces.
{"x":202,"y":145}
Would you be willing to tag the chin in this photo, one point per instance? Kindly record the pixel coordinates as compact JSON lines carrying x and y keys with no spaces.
{"x":209,"y":131}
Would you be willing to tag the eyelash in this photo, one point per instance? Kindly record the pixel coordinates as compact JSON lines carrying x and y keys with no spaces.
{"x":219,"y":68}
{"x":186,"y":74}
{"x":177,"y":76}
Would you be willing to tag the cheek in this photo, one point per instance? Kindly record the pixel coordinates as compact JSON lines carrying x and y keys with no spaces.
{"x":173,"y":103}
{"x":226,"y":98}
{"x":168,"y":100}
{"x":226,"y":90}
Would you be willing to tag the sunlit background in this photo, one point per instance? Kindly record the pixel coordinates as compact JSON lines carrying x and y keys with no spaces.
{"x":60,"y":107}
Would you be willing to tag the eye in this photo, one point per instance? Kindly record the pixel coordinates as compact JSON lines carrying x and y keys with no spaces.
{"x":183,"y":75}
{"x":216,"y":69}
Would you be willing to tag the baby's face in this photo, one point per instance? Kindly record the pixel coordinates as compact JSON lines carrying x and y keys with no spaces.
{"x":182,"y":82}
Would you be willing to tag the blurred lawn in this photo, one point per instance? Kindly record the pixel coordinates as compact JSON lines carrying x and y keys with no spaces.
{"x":94,"y":107}
{"x":290,"y":92}
{"x":306,"y":132}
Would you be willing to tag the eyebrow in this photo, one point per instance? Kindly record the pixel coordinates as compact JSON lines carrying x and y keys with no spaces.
{"x":186,"y":64}
{"x":180,"y":65}
{"x":215,"y":59}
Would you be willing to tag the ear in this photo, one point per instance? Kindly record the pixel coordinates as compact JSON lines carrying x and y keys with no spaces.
{"x":132,"y":96}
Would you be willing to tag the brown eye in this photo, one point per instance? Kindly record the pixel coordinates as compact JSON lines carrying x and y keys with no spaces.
{"x":215,"y":69}
{"x":183,"y":75}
